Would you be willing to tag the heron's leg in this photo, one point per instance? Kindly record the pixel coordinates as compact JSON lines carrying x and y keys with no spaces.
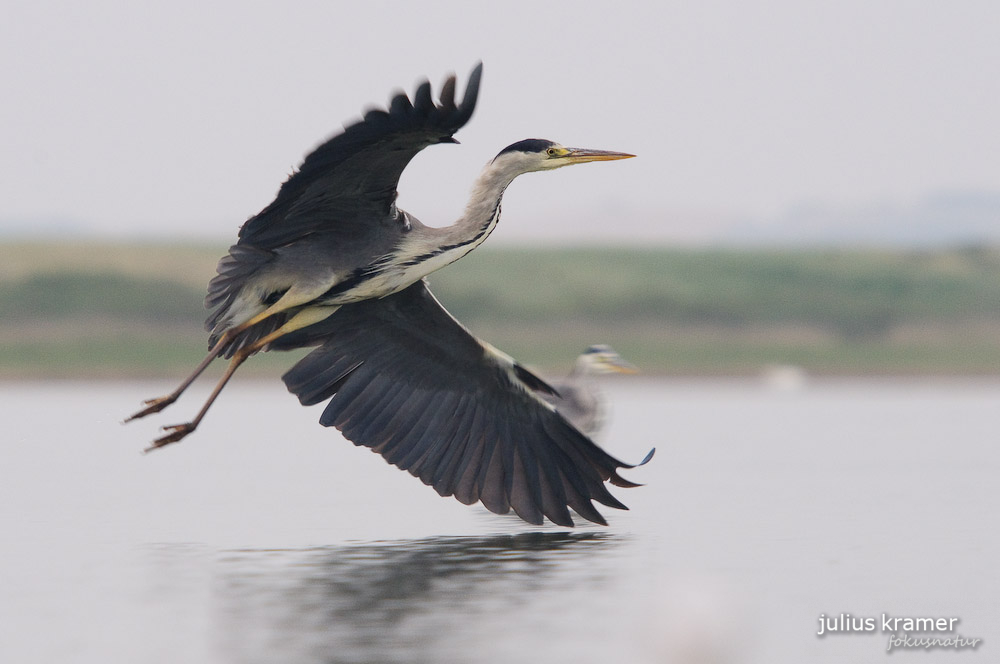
{"x":294,"y":297}
{"x":159,"y":403}
{"x":178,"y":431}
{"x":302,"y":319}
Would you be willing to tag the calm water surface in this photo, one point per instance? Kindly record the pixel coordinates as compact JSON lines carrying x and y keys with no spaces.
{"x":265,"y":537}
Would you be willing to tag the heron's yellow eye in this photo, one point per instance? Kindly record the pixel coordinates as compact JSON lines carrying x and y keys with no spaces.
{"x":552,"y":152}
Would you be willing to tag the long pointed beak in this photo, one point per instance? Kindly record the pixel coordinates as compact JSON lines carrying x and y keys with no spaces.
{"x":582,"y":155}
{"x":621,"y":366}
{"x":616,"y":364}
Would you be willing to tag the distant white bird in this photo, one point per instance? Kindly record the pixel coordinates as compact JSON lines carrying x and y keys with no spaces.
{"x":784,"y":377}
{"x":579,"y":400}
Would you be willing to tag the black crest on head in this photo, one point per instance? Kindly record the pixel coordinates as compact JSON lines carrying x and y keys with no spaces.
{"x":528,"y":145}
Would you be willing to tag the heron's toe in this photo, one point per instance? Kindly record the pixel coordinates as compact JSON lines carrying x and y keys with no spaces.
{"x":175,"y":433}
{"x":152,"y":406}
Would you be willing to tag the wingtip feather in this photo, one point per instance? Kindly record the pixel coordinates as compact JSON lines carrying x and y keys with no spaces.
{"x":447,"y":96}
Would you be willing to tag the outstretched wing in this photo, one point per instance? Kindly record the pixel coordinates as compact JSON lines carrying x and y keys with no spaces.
{"x":351,"y":179}
{"x":344,"y":193}
{"x":408,"y":381}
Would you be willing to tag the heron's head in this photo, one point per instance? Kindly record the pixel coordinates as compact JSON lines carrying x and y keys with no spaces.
{"x":538,"y":154}
{"x":602,"y":359}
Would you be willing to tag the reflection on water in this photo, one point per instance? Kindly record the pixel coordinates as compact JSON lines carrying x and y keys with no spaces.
{"x":765,"y":509}
{"x":427,"y":600}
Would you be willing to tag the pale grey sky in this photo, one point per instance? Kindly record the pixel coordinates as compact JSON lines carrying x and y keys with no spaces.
{"x":181,"y":119}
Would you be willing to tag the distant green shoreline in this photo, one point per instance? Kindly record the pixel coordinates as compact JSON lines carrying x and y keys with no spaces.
{"x":96,"y":309}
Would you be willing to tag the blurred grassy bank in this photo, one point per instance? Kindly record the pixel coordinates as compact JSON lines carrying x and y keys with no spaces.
{"x":96,"y":309}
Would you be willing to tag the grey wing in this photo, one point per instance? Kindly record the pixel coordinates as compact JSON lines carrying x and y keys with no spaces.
{"x":345,"y":189}
{"x":405,"y":379}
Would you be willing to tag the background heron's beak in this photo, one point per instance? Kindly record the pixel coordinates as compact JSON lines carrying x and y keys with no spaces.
{"x":618,"y":365}
{"x":581,"y":155}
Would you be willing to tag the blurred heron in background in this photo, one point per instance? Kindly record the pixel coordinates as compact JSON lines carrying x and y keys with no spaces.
{"x":579,"y":399}
{"x":333,"y":263}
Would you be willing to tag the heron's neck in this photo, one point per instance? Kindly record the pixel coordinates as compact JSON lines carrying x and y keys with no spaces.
{"x":582,"y":369}
{"x":437,"y":247}
{"x":482,"y":212}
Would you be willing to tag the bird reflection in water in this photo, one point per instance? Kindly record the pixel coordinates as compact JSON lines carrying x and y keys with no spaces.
{"x":428,"y":600}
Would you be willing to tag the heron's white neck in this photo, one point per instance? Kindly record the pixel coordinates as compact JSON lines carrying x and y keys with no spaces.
{"x":434,"y":248}
{"x":482,"y":212}
{"x":583,"y":369}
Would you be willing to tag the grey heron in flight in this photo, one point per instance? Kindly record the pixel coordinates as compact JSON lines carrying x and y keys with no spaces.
{"x":578,"y":398}
{"x":332,"y":263}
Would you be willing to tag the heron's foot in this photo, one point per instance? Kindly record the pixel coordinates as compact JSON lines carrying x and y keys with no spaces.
{"x":153,"y":406}
{"x":175,"y":433}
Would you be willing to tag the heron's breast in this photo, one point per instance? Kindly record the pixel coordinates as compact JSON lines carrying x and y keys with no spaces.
{"x":408,"y":264}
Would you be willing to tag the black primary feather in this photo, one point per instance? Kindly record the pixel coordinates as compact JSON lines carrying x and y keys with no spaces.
{"x":359,"y":168}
